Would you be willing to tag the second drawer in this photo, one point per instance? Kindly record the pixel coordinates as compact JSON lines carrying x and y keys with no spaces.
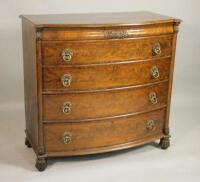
{"x":80,"y":106}
{"x":107,"y":76}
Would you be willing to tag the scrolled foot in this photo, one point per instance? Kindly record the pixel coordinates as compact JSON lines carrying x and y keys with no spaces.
{"x":27,"y":143}
{"x":164,"y":142}
{"x":41,"y":164}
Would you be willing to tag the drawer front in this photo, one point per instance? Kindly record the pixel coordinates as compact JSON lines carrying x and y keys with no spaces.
{"x":101,"y":77}
{"x":106,"y":33}
{"x":89,"y":135}
{"x":80,"y":106}
{"x":102,"y":51}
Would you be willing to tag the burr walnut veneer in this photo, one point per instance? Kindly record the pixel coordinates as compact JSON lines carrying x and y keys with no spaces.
{"x":97,"y":82}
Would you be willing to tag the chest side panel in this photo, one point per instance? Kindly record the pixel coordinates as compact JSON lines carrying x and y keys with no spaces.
{"x":30,"y":81}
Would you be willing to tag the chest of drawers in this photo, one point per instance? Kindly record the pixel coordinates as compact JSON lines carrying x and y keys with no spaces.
{"x":97,"y":82}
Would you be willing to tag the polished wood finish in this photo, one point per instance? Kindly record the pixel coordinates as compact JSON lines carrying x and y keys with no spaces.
{"x":98,"y":19}
{"x":114,"y":62}
{"x":103,"y":104}
{"x":104,"y":51}
{"x":101,"y":33}
{"x":105,"y":76}
{"x":30,"y":82}
{"x":102,"y":133}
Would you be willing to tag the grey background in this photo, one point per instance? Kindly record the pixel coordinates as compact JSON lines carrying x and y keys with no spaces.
{"x":179,"y":163}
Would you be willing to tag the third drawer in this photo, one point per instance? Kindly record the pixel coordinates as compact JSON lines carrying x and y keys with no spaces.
{"x":94,"y":105}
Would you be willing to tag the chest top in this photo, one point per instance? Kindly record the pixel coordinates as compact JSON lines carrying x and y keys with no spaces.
{"x":99,"y":19}
{"x":99,"y":26}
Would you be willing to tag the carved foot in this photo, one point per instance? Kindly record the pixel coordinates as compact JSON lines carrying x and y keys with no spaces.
{"x":165,"y":142}
{"x":41,"y":163}
{"x":27,"y":143}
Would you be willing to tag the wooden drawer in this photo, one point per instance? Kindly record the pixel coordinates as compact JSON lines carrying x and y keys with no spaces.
{"x":90,"y":135}
{"x":102,"y":51}
{"x":103,"y":104}
{"x":107,"y":76}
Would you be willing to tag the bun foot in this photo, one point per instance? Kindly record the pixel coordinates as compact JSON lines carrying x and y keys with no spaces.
{"x":27,"y":143}
{"x":164,"y":142}
{"x":41,"y":164}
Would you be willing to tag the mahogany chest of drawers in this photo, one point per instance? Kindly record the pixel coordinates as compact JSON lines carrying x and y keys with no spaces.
{"x":97,"y":82}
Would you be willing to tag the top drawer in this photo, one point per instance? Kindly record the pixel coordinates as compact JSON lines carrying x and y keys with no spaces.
{"x":104,"y":51}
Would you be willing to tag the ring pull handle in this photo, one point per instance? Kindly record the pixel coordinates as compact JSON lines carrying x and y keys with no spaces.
{"x":155,"y":72}
{"x":153,"y":98}
{"x":150,"y":125}
{"x":66,"y":137}
{"x":67,"y":55}
{"x":156,"y":49}
{"x":67,"y":108}
{"x":66,"y":80}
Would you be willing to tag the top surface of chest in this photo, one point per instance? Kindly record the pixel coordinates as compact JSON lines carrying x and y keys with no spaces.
{"x":100,"y":26}
{"x":98,"y":19}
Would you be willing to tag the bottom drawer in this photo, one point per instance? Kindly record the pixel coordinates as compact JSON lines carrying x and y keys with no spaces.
{"x":94,"y":135}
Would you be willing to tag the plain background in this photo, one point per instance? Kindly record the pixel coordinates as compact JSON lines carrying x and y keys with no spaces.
{"x":180,"y":163}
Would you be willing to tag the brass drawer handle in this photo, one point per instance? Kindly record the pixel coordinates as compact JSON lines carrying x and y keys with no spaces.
{"x":155,"y":72}
{"x":66,"y":137}
{"x":66,"y":80}
{"x":157,"y":49}
{"x":153,"y":98}
{"x":67,"y":107}
{"x":67,"y":55}
{"x":150,"y":125}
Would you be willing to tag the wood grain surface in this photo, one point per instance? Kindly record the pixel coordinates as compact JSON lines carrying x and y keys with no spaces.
{"x":105,"y":76}
{"x":103,"y":104}
{"x":98,"y":19}
{"x":30,"y":82}
{"x":103,"y":51}
{"x":111,"y":81}
{"x":103,"y":33}
{"x":90,"y":135}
